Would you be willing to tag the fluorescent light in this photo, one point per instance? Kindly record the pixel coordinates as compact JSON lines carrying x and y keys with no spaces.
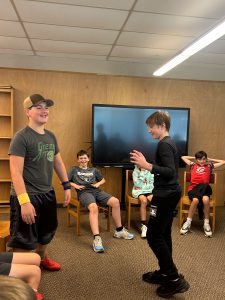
{"x":170,"y":64}
{"x":201,"y":43}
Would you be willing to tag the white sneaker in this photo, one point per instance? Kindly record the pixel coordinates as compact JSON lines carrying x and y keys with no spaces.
{"x":185,"y":228}
{"x":207,"y":230}
{"x":143,"y":231}
{"x":123,"y":234}
{"x":97,"y":244}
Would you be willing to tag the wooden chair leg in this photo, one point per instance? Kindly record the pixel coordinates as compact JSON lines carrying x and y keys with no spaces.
{"x":180,"y":217}
{"x":128,"y":215}
{"x":68,"y":217}
{"x":78,"y":220}
{"x":76,"y":215}
{"x":108,"y":218}
{"x":4,"y":234}
{"x":214,"y":219}
{"x":2,"y":244}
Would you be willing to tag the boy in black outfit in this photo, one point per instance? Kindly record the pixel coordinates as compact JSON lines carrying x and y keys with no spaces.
{"x":166,"y":195}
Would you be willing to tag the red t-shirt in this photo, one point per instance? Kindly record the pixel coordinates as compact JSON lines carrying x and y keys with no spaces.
{"x":200,"y":174}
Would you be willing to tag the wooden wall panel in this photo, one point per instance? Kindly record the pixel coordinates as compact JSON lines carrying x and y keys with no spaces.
{"x":74,"y":93}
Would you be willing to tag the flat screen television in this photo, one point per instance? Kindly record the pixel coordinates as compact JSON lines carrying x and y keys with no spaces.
{"x":118,"y":129}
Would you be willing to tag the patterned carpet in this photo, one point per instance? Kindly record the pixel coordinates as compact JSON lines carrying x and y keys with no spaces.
{"x":116,"y":273}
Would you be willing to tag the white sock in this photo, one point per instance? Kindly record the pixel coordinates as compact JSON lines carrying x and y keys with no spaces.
{"x":189,"y":220}
{"x":206,"y":221}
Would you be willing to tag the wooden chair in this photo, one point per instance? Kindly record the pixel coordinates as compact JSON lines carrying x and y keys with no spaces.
{"x":185,"y":201}
{"x":4,"y":234}
{"x":130,"y":200}
{"x":75,"y":209}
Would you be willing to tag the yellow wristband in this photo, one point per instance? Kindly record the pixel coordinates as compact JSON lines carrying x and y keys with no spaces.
{"x":23,"y":198}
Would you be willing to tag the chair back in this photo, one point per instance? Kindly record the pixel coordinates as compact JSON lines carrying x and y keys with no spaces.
{"x":129,"y":183}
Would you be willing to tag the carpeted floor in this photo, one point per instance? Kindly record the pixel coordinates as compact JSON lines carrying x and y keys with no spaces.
{"x":116,"y":273}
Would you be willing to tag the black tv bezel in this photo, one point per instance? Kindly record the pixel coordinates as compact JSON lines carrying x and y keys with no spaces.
{"x":130,"y":165}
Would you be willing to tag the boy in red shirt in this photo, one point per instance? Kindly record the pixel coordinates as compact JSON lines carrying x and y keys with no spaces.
{"x":199,"y":190}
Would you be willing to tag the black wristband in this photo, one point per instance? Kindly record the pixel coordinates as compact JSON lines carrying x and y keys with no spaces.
{"x":66,"y":185}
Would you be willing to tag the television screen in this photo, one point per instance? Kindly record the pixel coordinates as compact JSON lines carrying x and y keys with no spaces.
{"x":117,"y":130}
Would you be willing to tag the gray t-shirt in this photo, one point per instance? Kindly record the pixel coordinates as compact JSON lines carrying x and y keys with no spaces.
{"x":84,"y":177}
{"x":38,"y":151}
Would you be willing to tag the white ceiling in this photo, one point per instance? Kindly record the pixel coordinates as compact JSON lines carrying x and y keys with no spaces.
{"x":121,"y":37}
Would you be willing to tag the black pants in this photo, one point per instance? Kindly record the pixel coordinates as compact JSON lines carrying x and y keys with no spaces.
{"x":159,"y":232}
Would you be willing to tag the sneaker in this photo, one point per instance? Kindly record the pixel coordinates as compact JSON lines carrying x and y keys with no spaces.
{"x":50,"y":264}
{"x":185,"y":228}
{"x":207,"y":230}
{"x":123,"y":234}
{"x":155,"y":277}
{"x":171,"y":288}
{"x":143,"y":231}
{"x":97,"y":244}
{"x":39,"y":296}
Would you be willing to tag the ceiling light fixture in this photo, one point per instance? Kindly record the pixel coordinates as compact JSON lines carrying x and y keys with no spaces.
{"x":208,"y":38}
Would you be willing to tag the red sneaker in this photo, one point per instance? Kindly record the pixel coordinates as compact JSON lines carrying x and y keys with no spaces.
{"x":50,"y":264}
{"x":39,"y":296}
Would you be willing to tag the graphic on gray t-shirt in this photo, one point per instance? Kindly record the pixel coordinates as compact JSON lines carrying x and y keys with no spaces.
{"x":38,"y":151}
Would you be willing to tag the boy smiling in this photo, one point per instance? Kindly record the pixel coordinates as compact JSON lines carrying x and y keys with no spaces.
{"x":87,"y":181}
{"x":34,"y":154}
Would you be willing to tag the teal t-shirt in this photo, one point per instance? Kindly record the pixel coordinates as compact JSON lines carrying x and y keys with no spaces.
{"x":38,"y":151}
{"x":143,"y":182}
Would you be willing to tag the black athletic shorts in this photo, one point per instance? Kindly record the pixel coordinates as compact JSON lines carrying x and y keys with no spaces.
{"x":5,"y":262}
{"x":27,"y":236}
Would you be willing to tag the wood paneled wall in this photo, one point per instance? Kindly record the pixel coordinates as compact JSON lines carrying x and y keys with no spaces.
{"x":74,"y":93}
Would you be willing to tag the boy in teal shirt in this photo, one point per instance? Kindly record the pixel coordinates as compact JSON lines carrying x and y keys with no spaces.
{"x":142,"y":189}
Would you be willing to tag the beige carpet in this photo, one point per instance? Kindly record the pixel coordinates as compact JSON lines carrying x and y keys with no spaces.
{"x":116,"y":273}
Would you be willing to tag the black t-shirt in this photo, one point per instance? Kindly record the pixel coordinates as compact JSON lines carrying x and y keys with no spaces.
{"x":165,"y":168}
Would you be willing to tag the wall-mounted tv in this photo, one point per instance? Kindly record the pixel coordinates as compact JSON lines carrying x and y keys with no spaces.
{"x":118,"y":129}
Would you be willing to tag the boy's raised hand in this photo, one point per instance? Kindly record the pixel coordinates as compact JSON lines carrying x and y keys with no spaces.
{"x":137,"y":158}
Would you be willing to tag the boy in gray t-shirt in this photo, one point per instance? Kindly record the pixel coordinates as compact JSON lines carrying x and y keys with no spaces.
{"x":87,"y":180}
{"x":34,"y":153}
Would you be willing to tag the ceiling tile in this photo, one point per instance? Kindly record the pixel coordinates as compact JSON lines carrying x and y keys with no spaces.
{"x":77,"y":35}
{"x":10,"y":28}
{"x":74,"y":34}
{"x":7,"y":11}
{"x":71,"y":55}
{"x":149,"y":60}
{"x":198,"y":71}
{"x":216,"y":47}
{"x":153,"y":40}
{"x":39,"y":12}
{"x":121,"y":51}
{"x":14,"y":43}
{"x":208,"y":58}
{"x":117,"y":4}
{"x":200,"y":8}
{"x":70,"y":47}
{"x":166,"y":24}
{"x":16,"y":51}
